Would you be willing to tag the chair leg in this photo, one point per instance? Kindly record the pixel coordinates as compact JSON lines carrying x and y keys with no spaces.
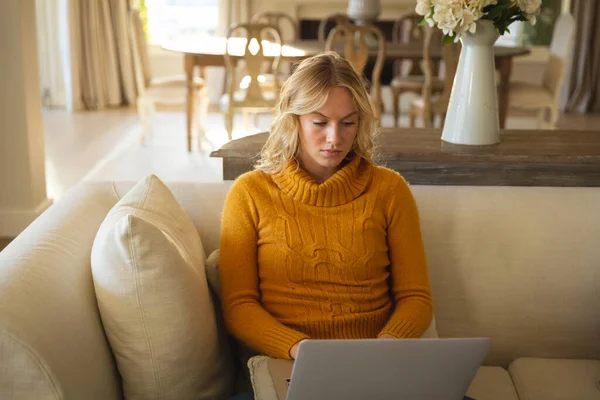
{"x":413,"y":115}
{"x":246,"y":116}
{"x":553,"y":117}
{"x":541,"y":118}
{"x":201,"y":115}
{"x":229,"y":123}
{"x":396,"y":106}
{"x":442,"y":119}
{"x":146,"y":113}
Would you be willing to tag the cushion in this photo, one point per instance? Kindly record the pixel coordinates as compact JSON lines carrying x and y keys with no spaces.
{"x":490,"y":383}
{"x":212,"y":272}
{"x":148,"y":271}
{"x":554,"y":379}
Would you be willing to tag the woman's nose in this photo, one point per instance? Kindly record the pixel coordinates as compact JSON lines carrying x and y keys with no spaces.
{"x":333,"y":134}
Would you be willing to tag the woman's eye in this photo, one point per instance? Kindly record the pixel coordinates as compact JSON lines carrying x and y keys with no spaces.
{"x":349,"y":123}
{"x":319,"y":123}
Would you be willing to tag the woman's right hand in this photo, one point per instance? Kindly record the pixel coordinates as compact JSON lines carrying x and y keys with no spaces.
{"x":294,"y":349}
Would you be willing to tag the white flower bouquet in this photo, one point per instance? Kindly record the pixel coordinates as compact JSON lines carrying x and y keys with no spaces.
{"x":455,"y":17}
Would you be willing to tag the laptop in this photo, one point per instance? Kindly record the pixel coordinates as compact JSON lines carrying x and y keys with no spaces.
{"x":391,"y":369}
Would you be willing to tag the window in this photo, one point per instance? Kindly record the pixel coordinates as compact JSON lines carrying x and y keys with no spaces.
{"x":540,"y":34}
{"x":180,"y":20}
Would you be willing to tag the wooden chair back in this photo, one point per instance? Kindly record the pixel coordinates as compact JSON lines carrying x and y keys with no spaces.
{"x":330,"y":22}
{"x":279,"y":20}
{"x":357,"y":41}
{"x":255,"y":61}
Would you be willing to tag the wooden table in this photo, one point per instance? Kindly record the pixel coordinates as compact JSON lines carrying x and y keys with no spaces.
{"x":210,"y":52}
{"x":522,"y":158}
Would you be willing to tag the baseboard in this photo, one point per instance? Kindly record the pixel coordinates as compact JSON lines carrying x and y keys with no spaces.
{"x":13,"y":222}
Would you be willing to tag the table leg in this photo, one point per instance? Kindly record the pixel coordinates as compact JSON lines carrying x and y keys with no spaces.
{"x":191,"y":100}
{"x":505,"y":69}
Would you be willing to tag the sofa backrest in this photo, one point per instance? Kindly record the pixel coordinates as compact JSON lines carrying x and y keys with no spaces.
{"x":520,"y":265}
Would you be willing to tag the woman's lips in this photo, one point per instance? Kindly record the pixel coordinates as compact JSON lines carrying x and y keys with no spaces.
{"x":331,"y":153}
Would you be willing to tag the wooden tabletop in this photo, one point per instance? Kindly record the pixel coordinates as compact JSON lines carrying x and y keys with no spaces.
{"x":305,"y":48}
{"x":522,"y":158}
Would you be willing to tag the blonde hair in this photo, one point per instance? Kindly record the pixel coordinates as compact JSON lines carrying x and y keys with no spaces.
{"x":304,"y":92}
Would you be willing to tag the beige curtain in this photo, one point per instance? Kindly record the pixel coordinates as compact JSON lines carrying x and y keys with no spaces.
{"x":232,"y":12}
{"x":102,"y":71}
{"x":581,"y":91}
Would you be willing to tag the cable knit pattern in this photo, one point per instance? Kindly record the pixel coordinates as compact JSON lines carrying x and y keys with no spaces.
{"x":339,"y":260}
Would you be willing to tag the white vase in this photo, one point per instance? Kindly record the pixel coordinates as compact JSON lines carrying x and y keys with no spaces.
{"x":472,"y":117}
{"x":363,"y":12}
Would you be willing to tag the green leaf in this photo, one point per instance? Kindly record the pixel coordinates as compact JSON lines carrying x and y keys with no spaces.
{"x":448,"y":39}
{"x":423,"y":22}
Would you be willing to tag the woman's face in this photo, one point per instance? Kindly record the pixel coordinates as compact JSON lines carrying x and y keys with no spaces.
{"x":327,"y":135}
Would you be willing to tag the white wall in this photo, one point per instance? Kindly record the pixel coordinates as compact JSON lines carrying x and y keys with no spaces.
{"x":51,"y":68}
{"x":22,"y":173}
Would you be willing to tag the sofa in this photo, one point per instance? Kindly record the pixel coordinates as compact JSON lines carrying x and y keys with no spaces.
{"x":520,"y":265}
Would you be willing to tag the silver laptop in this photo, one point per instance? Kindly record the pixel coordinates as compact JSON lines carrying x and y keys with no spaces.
{"x":414,"y":369}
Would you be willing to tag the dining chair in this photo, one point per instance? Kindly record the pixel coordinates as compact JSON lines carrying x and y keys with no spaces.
{"x":281,"y":21}
{"x":250,"y":96}
{"x":408,"y":74}
{"x":544,"y":98}
{"x":167,"y":93}
{"x":330,"y":22}
{"x":357,"y":40}
{"x":430,"y":104}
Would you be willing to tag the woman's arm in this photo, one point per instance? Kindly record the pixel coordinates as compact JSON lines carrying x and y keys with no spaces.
{"x":408,"y":268}
{"x":244,"y":315}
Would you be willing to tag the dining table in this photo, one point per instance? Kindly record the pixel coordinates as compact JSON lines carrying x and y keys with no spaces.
{"x":210,"y":52}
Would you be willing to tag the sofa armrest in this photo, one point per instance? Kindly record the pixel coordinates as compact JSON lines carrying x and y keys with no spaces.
{"x":52,"y":344}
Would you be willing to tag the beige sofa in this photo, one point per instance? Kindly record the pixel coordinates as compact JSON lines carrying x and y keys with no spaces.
{"x":519,"y":265}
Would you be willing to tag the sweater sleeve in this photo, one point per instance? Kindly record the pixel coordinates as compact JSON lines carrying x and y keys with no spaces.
{"x":244,"y":315}
{"x":413,"y":309}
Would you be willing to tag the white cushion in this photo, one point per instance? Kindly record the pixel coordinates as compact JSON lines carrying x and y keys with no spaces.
{"x":148,"y":271}
{"x":212,"y":272}
{"x":556,"y":379}
{"x":492,"y":383}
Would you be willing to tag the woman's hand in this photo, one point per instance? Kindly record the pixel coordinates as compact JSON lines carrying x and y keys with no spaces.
{"x":294,"y":349}
{"x":387,"y":336}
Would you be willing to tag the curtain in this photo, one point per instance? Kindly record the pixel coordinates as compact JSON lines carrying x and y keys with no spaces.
{"x":581,"y":92}
{"x":50,"y":63}
{"x":99,"y":66}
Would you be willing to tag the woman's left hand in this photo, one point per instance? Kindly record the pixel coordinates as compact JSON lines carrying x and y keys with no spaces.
{"x":387,"y":336}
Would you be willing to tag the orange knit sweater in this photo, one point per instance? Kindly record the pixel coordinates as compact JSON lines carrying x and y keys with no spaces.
{"x":339,"y":260}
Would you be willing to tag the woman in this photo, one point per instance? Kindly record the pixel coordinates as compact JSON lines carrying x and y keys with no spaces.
{"x":318,"y":242}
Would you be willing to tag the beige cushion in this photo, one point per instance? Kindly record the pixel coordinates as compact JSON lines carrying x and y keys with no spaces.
{"x":23,"y":374}
{"x":529,"y":96}
{"x":490,"y":383}
{"x":212,"y":272}
{"x":556,"y":379}
{"x":148,"y":271}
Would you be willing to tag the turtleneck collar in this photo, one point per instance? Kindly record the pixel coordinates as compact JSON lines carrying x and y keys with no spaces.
{"x":344,"y":186}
